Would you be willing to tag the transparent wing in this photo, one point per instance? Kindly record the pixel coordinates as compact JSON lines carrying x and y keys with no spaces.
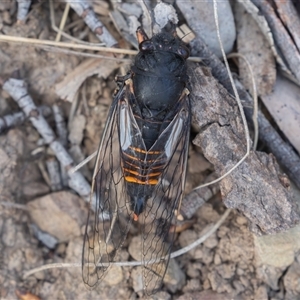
{"x":157,"y":239}
{"x":109,"y":216}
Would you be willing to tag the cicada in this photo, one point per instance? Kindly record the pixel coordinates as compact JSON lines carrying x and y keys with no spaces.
{"x":140,"y":169}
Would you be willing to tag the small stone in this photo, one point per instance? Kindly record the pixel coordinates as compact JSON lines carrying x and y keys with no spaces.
{"x":186,"y":238}
{"x":60,"y":214}
{"x":114,"y":275}
{"x":61,"y":249}
{"x":215,"y":280}
{"x":238,"y":287}
{"x":9,"y":233}
{"x":277,"y":249}
{"x":217,"y":259}
{"x":197,"y":163}
{"x":208,"y":214}
{"x":192,"y":271}
{"x":245,"y":281}
{"x":261,"y":293}
{"x":269,"y":275}
{"x":240,"y":271}
{"x":241,"y":220}
{"x":135,"y":247}
{"x":227,"y":271}
{"x":211,"y":241}
{"x":198,"y":254}
{"x":6,"y":18}
{"x":77,"y":127}
{"x":192,"y":285}
{"x":222,"y":231}
{"x":35,"y":189}
{"x":162,"y":295}
{"x":137,"y":279}
{"x":31,"y":256}
{"x":175,"y":277}
{"x":208,"y":256}
{"x":292,"y":281}
{"x":206,"y":284}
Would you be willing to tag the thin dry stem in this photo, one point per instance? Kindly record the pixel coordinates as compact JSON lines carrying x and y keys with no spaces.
{"x":91,"y":47}
{"x":62,"y":33}
{"x":8,"y":38}
{"x":63,"y":22}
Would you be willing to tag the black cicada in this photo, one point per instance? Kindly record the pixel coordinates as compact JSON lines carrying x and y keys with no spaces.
{"x":139,"y":180}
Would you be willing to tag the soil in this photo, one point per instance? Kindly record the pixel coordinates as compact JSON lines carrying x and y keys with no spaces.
{"x":228,"y":265}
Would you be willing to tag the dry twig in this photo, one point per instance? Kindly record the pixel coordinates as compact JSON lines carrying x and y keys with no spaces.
{"x":84,"y":10}
{"x":23,"y":7}
{"x":17,"y":89}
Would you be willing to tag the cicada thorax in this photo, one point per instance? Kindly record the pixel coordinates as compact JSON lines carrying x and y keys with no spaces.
{"x":158,"y":81}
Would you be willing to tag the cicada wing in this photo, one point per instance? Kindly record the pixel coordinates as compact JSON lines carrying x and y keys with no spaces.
{"x":109,"y":217}
{"x":161,"y":208}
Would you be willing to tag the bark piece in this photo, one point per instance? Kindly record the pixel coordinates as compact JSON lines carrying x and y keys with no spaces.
{"x":283,"y":152}
{"x":256,"y":187}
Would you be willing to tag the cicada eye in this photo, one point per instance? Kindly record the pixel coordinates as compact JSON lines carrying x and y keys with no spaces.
{"x":146,"y":46}
{"x":183,"y":52}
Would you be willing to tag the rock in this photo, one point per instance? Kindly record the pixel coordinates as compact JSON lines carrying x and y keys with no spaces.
{"x":175,"y":277}
{"x":197,"y":163}
{"x":212,"y":241}
{"x":261,"y":293}
{"x":192,"y":271}
{"x":269,"y":275}
{"x":278,"y":249}
{"x":208,"y":214}
{"x":200,"y":18}
{"x":60,"y":214}
{"x":292,"y":281}
{"x":162,"y":295}
{"x":192,"y":285}
{"x":35,"y":189}
{"x":135,"y":247}
{"x":137,"y":279}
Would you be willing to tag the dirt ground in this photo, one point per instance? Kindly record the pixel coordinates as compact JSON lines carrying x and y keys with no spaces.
{"x":232,"y":263}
